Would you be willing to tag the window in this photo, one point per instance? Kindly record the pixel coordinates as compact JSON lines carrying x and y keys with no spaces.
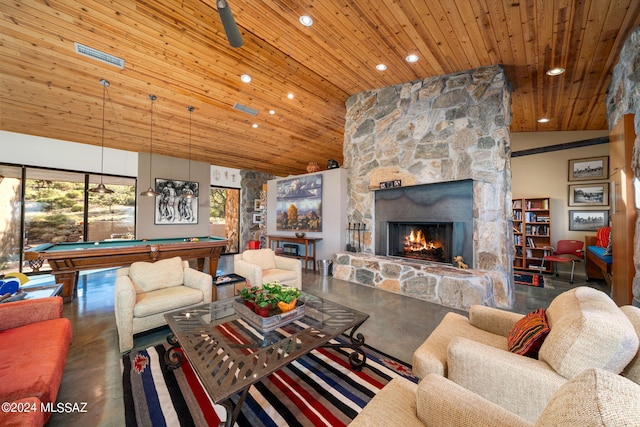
{"x":54,"y":207}
{"x":10,"y":213}
{"x":224,"y":219}
{"x":112,"y":216}
{"x":58,"y":208}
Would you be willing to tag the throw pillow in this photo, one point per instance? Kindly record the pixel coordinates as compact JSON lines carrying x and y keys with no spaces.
{"x":528,"y":334}
{"x":602,"y":236}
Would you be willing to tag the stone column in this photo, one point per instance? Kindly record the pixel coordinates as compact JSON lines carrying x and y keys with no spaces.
{"x":623,"y":97}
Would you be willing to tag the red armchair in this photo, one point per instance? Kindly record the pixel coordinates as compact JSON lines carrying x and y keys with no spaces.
{"x":567,"y":251}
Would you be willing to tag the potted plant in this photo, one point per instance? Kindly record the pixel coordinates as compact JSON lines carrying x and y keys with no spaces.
{"x":248,"y":295}
{"x":285,"y":297}
{"x":263,"y":301}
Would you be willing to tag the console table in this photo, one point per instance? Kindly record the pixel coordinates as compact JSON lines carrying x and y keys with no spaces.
{"x":309,"y":247}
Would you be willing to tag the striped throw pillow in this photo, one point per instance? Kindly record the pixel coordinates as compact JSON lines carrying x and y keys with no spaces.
{"x":528,"y":334}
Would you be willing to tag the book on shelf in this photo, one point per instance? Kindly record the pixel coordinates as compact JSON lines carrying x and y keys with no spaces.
{"x":531,"y":243}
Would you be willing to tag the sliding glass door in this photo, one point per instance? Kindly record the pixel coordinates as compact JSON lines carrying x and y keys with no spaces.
{"x":10,"y":214}
{"x":54,"y":206}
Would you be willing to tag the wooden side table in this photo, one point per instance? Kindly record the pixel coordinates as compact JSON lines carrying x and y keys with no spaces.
{"x":309,"y":248}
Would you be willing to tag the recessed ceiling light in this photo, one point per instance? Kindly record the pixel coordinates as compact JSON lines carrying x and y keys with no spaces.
{"x":255,"y":125}
{"x":290,"y":96}
{"x":306,"y":20}
{"x":381,"y":67}
{"x":412,"y":58}
{"x":245,"y":78}
{"x":555,"y":71}
{"x":543,"y":120}
{"x":272,"y":112}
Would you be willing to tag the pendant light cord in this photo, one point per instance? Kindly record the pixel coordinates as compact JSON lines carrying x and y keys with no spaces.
{"x":104,"y":97}
{"x":152,"y":98}
{"x":190,"y":108}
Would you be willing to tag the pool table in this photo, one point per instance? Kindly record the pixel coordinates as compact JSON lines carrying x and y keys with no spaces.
{"x":67,"y":259}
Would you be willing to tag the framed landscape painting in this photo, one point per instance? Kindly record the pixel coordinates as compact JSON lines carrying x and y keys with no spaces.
{"x":589,"y":194}
{"x":588,"y":220}
{"x":299,"y":204}
{"x":589,"y":169}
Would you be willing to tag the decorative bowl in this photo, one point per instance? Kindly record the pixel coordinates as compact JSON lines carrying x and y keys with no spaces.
{"x":299,"y":235}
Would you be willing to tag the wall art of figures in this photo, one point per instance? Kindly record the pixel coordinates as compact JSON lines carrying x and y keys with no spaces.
{"x":173,"y":209}
{"x":299,"y":203}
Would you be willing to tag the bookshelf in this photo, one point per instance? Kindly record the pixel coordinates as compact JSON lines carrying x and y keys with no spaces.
{"x":531,"y":220}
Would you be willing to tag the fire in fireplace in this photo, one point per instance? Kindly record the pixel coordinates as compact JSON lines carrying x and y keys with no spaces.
{"x":429,"y":241}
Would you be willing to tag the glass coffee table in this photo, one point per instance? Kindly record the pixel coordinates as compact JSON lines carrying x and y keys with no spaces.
{"x":229,"y":353}
{"x":35,"y":291}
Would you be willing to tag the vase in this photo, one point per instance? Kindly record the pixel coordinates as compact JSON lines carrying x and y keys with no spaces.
{"x":263,"y":311}
{"x":284,"y":307}
{"x":313,"y":167}
{"x":249,"y":304}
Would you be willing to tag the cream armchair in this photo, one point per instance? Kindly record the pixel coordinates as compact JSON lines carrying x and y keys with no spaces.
{"x":587,"y":330}
{"x":593,"y":398}
{"x":260,"y":266}
{"x":145,"y":291}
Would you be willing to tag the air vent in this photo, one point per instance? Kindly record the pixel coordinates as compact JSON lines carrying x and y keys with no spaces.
{"x":90,"y":52}
{"x":245,"y":109}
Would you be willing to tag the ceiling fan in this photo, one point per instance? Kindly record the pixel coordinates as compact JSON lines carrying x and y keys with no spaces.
{"x":229,"y":24}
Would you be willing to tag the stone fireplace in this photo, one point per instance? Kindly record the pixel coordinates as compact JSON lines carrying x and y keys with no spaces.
{"x":448,"y":134}
{"x":425,"y":241}
{"x":442,"y":212}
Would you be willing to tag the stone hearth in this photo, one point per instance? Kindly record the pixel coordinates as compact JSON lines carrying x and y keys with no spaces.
{"x":437,"y":130}
{"x":430,"y":281}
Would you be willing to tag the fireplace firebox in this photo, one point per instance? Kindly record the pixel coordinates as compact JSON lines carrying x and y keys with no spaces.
{"x":427,"y":241}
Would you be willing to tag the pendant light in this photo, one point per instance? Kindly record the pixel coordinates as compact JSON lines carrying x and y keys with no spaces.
{"x":189,"y":195}
{"x":101,"y":189}
{"x":150,"y":192}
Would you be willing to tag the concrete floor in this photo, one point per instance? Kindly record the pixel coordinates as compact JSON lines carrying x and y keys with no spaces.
{"x":397,"y":326}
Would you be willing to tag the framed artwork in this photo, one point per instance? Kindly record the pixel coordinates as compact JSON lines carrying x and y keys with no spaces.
{"x":589,"y":194}
{"x":173,"y":209}
{"x":299,"y":203}
{"x":588,"y":220}
{"x":589,"y":169}
{"x":257,"y":218}
{"x":256,"y":205}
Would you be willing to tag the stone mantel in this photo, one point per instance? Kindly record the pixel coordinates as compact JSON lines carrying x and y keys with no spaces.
{"x":430,"y":281}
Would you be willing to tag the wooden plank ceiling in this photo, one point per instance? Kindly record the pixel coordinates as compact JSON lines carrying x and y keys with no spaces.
{"x":177,"y":50}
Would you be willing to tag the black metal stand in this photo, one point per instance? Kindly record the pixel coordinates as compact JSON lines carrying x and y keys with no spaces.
{"x":358,"y":357}
{"x":360,"y":228}
{"x":173,"y":358}
{"x":232,"y":413}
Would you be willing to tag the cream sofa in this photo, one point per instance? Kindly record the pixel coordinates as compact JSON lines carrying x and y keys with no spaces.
{"x":593,"y":398}
{"x":260,"y":266}
{"x":145,"y":291}
{"x":587,"y":330}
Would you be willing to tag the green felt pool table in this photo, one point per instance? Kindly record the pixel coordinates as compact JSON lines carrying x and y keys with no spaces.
{"x":67,"y":259}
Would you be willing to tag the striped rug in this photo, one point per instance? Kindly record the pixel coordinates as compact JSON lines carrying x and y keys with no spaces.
{"x":318,"y":389}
